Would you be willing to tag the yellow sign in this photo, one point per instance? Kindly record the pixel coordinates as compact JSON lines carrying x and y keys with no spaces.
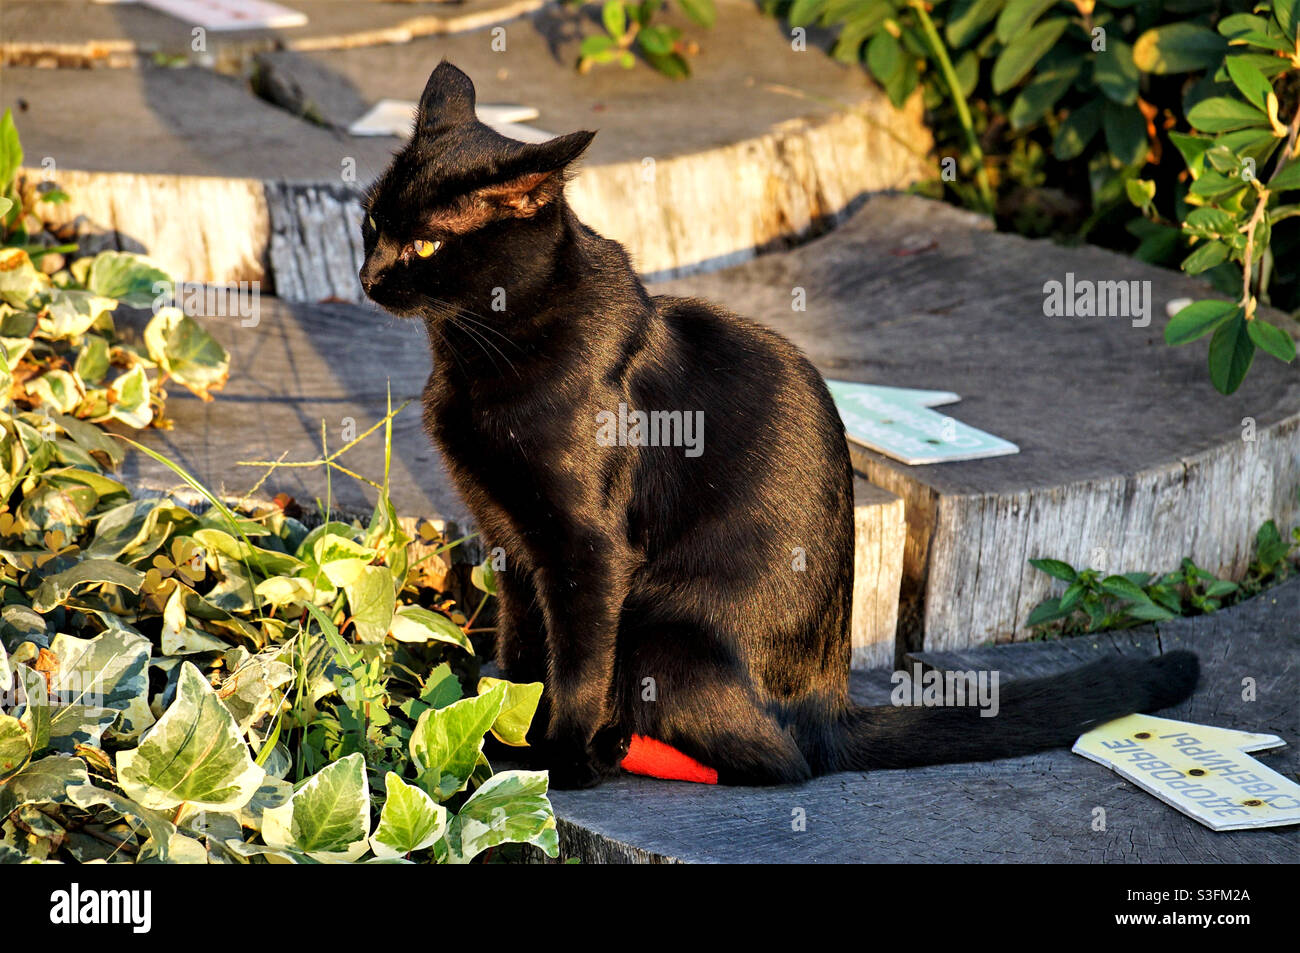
{"x":1200,"y":770}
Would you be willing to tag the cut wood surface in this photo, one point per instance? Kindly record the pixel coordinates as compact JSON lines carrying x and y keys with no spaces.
{"x":1035,"y":809}
{"x":81,"y":33}
{"x":763,"y":145}
{"x":880,"y":532}
{"x":1129,"y":459}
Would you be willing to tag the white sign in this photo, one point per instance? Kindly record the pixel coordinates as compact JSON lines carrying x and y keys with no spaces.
{"x":221,"y":15}
{"x":1200,"y":770}
{"x":396,"y":117}
{"x":898,"y":422}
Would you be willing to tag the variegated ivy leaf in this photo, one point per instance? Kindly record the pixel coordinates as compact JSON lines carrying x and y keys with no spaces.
{"x":446,"y":742}
{"x":46,"y":781}
{"x":132,"y":404}
{"x":510,"y":808}
{"x":416,"y":624}
{"x":96,"y":680}
{"x":371,"y":598}
{"x":328,"y":818}
{"x":15,"y":746}
{"x":194,"y":754}
{"x":517,"y":711}
{"x":132,"y":279}
{"x":20,"y":282}
{"x":280,"y":591}
{"x":340,"y":558}
{"x":58,"y":391}
{"x":54,"y":590}
{"x":71,"y":314}
{"x":409,"y":821}
{"x":183,"y":349}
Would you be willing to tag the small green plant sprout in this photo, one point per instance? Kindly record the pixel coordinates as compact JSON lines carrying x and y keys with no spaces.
{"x":629,"y":28}
{"x":1093,"y":602}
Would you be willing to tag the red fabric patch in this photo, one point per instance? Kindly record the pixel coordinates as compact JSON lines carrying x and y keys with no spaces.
{"x":655,"y":759}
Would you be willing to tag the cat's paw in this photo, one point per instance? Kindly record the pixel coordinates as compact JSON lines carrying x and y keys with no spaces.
{"x":578,"y":765}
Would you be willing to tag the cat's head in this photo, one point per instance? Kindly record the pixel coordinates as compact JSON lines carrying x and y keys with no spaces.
{"x":462,"y":208}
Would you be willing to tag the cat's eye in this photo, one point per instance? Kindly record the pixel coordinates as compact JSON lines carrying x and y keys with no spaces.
{"x":370,"y":219}
{"x":425,"y":249}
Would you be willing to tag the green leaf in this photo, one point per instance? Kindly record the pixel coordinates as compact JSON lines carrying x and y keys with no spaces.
{"x":1178,"y":48}
{"x":1197,"y":319}
{"x":1039,"y":96}
{"x":92,"y":362}
{"x":967,"y":18}
{"x":415,"y":624}
{"x":1288,"y":178}
{"x":701,"y":11}
{"x":1018,"y":15}
{"x":446,"y":742}
{"x":96,"y":680}
{"x":1287,"y":14}
{"x":371,"y":599}
{"x":1055,"y":568}
{"x":1272,"y":340}
{"x":1123,"y":588}
{"x":1205,"y":256}
{"x":614,"y":16}
{"x":328,"y":818}
{"x":56,"y":589}
{"x":511,"y":726}
{"x":183,"y":349}
{"x":484,"y":578}
{"x":1249,"y":80}
{"x":132,"y":279}
{"x":1141,"y":192}
{"x":11,"y":150}
{"x":595,"y":46}
{"x":509,"y":808}
{"x":193,"y":755}
{"x":884,"y":56}
{"x":1019,"y":57}
{"x":1220,"y":114}
{"x":1231,"y":354}
{"x":1150,"y":612}
{"x":1077,"y":131}
{"x":15,"y":746}
{"x":1126,"y":133}
{"x":410,"y":820}
{"x":132,"y":406}
{"x":1115,"y":73}
{"x":805,"y":12}
{"x":1192,"y":148}
{"x":656,"y":39}
{"x":46,"y":781}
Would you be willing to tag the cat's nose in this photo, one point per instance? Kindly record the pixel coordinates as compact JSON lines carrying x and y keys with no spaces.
{"x":367,"y":280}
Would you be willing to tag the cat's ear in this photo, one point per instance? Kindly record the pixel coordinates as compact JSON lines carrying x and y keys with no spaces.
{"x":447,"y":100}
{"x":543,"y":182}
{"x":556,"y":154}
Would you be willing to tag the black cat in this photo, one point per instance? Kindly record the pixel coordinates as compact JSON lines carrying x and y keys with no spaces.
{"x":652,"y":586}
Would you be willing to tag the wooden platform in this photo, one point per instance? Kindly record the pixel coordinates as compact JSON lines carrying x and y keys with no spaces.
{"x":762,"y":146}
{"x":1036,"y":809}
{"x":1129,"y":459}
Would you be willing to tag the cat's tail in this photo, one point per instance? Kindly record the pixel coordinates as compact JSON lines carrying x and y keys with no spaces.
{"x":1030,"y":714}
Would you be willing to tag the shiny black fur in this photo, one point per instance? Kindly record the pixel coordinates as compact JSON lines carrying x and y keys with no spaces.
{"x":652,"y":592}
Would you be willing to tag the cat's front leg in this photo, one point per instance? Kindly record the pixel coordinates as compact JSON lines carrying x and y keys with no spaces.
{"x":582,"y":601}
{"x":521,"y":628}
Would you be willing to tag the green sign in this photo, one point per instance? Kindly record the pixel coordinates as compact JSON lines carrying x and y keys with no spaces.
{"x":898,"y":422}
